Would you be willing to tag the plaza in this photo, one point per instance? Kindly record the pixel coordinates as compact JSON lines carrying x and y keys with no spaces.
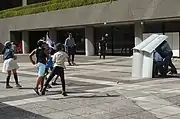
{"x":97,"y":89}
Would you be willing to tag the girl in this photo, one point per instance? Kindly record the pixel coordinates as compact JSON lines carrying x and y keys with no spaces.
{"x":41,"y":57}
{"x":10,"y":64}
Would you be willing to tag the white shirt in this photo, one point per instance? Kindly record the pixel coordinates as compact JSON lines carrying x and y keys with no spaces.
{"x":59,"y":59}
{"x":49,"y":42}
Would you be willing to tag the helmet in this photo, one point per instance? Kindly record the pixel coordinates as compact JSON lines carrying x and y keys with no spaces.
{"x":7,"y":43}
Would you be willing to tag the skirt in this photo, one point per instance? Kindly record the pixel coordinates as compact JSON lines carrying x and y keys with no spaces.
{"x":9,"y":64}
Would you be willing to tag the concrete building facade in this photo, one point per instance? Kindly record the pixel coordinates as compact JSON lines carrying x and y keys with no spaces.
{"x":127,"y":22}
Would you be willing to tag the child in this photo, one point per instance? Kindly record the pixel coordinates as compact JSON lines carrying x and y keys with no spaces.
{"x":10,"y":64}
{"x":41,"y":56}
{"x":49,"y":65}
{"x":59,"y":58}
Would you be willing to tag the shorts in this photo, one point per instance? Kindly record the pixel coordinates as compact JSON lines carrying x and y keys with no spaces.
{"x":9,"y":64}
{"x":41,"y":69}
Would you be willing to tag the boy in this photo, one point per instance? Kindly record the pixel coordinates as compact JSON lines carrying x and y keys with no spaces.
{"x":49,"y":66}
{"x":59,"y":58}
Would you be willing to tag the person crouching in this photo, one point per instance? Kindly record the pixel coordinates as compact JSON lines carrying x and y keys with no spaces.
{"x":158,"y":65}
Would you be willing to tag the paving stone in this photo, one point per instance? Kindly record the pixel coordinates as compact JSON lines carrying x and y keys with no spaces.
{"x":152,"y":99}
{"x":18,"y":113}
{"x":142,"y":115}
{"x":36,"y":108}
{"x":173,"y":117}
{"x":84,"y":111}
{"x":122,"y":108}
{"x":149,"y":105}
{"x":175,"y":100}
{"x":58,"y":105}
{"x":102,"y":115}
{"x":165,"y":111}
{"x":59,"y":115}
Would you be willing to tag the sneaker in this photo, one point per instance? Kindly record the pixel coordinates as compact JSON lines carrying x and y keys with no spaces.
{"x":64,"y":94}
{"x":36,"y":90}
{"x":73,"y":63}
{"x":54,"y":83}
{"x":43,"y":92}
{"x":8,"y":86}
{"x":49,"y":86}
{"x":18,"y":86}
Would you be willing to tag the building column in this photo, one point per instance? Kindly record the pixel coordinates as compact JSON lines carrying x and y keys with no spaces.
{"x":24,"y":2}
{"x":89,"y":41}
{"x":25,"y":42}
{"x":138,"y":29}
{"x":53,"y":35}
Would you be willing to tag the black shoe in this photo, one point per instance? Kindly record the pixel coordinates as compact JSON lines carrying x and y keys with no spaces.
{"x":36,"y":90}
{"x":73,"y":63}
{"x":43,"y":92}
{"x":18,"y":86}
{"x":64,"y":94}
{"x":49,"y":86}
{"x":54,"y":83}
{"x":8,"y":86}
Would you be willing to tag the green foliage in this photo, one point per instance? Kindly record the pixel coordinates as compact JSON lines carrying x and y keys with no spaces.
{"x":51,"y":5}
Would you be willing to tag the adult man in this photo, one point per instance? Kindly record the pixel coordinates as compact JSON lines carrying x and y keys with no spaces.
{"x":102,"y":47}
{"x":70,"y":48}
{"x":166,"y":52}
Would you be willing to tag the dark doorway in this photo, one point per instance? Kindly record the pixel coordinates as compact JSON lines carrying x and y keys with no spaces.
{"x":34,"y":36}
{"x":78,"y":35}
{"x":120,"y":39}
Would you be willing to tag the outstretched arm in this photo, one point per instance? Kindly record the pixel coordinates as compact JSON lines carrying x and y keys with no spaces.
{"x":31,"y":55}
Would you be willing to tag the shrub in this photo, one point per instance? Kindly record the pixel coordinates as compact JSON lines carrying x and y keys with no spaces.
{"x":51,"y":5}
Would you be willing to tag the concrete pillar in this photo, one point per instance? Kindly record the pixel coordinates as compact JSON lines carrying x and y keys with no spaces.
{"x":24,"y":2}
{"x":25,"y":42}
{"x":89,"y":41}
{"x":53,"y":35}
{"x":138,"y":29}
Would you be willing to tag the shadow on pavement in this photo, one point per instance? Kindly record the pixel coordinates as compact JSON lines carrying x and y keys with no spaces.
{"x":86,"y":96}
{"x":10,"y":112}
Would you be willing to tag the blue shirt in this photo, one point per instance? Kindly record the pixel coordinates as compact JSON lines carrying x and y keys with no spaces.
{"x":49,"y":63}
{"x":157,"y":57}
{"x":8,"y":53}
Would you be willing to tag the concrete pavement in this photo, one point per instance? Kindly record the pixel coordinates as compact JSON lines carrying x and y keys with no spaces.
{"x":93,"y":94}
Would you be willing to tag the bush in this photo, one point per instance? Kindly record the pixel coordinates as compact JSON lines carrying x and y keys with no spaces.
{"x":51,"y":5}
